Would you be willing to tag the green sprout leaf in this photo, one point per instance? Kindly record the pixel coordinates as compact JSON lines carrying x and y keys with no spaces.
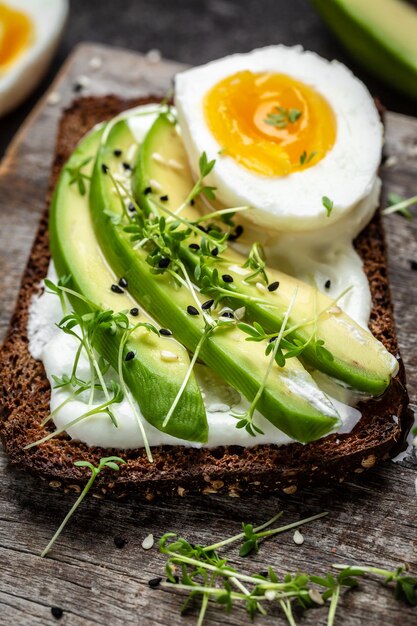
{"x":328,"y":205}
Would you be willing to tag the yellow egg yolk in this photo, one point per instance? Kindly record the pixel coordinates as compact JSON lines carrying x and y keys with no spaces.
{"x":270,"y":123}
{"x":16,"y":32}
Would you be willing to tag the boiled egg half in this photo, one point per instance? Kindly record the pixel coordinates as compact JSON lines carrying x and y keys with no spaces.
{"x":29,"y":33}
{"x":287,"y":129}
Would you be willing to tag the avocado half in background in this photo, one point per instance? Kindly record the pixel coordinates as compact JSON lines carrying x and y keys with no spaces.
{"x":380,"y":34}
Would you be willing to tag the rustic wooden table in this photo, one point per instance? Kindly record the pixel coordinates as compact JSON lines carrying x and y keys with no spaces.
{"x":373,"y":519}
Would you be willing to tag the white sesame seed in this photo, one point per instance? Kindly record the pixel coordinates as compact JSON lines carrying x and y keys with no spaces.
{"x":168,"y":356}
{"x":83,"y":80}
{"x":391,"y":161}
{"x":155,"y":185}
{"x":335,"y":310}
{"x":260,"y":287}
{"x":175,"y":165}
{"x":270,"y":595}
{"x":148,"y":542}
{"x":154,"y":55}
{"x":298,"y":538}
{"x":53,"y":98}
{"x":316,"y":596}
{"x":95,"y":63}
{"x":158,"y":158}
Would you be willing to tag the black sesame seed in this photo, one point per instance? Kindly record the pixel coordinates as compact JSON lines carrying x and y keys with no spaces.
{"x":328,"y":284}
{"x":228,"y":314}
{"x":134,"y":311}
{"x":207,"y":304}
{"x":116,"y":289}
{"x":227,"y":278}
{"x":78,"y":87}
{"x":165,"y":332}
{"x":131,"y":207}
{"x":123,"y":282}
{"x":104,"y":168}
{"x":154,"y":582}
{"x":117,"y":153}
{"x":273,"y":286}
{"x":126,"y":166}
{"x":191,"y":310}
{"x":194,"y":246}
{"x":164,"y":262}
{"x":163,"y":198}
{"x":119,"y":542}
{"x":215,"y":252}
{"x":147,"y":190}
{"x":130,"y":355}
{"x":57,"y":612}
{"x":264,"y":573}
{"x":413,"y":265}
{"x":238,"y":230}
{"x":192,"y":202}
{"x":272,"y":339}
{"x":202,"y":228}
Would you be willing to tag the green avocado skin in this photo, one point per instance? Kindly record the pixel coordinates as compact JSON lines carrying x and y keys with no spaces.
{"x":288,"y":411}
{"x":151,"y":384}
{"x":372,"y":380}
{"x":362,"y":39}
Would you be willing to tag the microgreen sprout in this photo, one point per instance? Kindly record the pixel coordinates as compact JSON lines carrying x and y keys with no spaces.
{"x":400,"y":205}
{"x":104,"y":407}
{"x":328,"y":205}
{"x":280,"y":117}
{"x":111,"y":462}
{"x":205,"y":167}
{"x":256,"y":262}
{"x":207,"y":331}
{"x":202,"y":572}
{"x":245,"y":420}
{"x":405,"y":586}
{"x":78,"y":177}
{"x":306,"y":158}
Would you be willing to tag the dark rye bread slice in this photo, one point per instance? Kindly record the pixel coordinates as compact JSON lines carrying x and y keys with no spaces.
{"x":25,"y":392}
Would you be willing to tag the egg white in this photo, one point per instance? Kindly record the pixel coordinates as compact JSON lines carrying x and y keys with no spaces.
{"x":48,"y":19}
{"x":294,"y":202}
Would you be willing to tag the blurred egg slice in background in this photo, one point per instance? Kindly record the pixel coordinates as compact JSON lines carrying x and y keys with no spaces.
{"x":29,"y":33}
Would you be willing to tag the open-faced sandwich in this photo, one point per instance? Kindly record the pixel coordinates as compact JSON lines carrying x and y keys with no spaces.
{"x":216,"y":309}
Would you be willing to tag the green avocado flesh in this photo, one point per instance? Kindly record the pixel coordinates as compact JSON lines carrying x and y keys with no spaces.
{"x":290,"y":400}
{"x":359,"y":360}
{"x":153,"y":382}
{"x":380,"y":34}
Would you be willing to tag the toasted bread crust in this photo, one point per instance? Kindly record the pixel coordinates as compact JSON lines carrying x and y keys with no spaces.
{"x":25,"y":391}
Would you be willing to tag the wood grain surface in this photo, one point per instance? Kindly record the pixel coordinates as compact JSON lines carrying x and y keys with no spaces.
{"x":373,"y":520}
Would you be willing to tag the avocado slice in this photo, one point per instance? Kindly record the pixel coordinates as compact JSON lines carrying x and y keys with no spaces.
{"x":380,"y":35}
{"x":153,"y":382}
{"x":291,"y":400}
{"x":359,"y":360}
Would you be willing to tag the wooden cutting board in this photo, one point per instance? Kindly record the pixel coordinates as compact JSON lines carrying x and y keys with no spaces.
{"x":372,"y":520}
